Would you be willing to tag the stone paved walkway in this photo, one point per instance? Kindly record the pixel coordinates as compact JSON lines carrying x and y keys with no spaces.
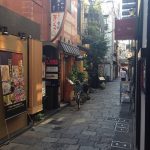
{"x":101,"y":124}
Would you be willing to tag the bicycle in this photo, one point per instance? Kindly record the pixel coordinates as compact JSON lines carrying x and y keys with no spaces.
{"x":78,"y":98}
{"x":78,"y":91}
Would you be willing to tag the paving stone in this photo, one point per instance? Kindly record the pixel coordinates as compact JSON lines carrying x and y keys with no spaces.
{"x":41,"y":129}
{"x":49,"y":140}
{"x":72,"y":147}
{"x":91,"y":128}
{"x":26,"y":140}
{"x":68,"y":135}
{"x":68,"y":141}
{"x":35,"y":134}
{"x":14,"y":146}
{"x":82,"y":137}
{"x":84,"y":142}
{"x":95,"y":138}
{"x":55,"y":135}
{"x":103,"y":146}
{"x":90,"y":133}
{"x":87,"y":148}
{"x":59,"y":146}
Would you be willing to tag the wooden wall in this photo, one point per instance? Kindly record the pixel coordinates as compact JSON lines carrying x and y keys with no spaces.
{"x":13,"y":44}
{"x":35,"y":76}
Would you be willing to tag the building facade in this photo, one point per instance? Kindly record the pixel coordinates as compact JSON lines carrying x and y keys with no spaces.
{"x":110,"y":61}
{"x":35,"y":10}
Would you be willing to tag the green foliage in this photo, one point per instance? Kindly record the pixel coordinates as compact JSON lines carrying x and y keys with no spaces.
{"x":95,"y":37}
{"x":76,"y":75}
{"x":81,"y":76}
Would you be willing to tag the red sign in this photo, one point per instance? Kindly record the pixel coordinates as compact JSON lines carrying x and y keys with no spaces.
{"x":125,"y":29}
{"x":51,"y":62}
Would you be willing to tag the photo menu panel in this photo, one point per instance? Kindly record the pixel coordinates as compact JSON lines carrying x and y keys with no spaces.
{"x":12,"y":82}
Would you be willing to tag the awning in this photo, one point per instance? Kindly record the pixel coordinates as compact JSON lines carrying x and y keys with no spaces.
{"x":70,"y":49}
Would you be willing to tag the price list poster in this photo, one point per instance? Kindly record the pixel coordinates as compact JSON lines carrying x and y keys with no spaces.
{"x":12,"y":80}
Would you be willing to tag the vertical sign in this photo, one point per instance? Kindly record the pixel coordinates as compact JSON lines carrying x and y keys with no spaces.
{"x":145,"y":18}
{"x":57,"y":14}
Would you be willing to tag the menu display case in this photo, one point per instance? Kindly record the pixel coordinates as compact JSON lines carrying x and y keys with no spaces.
{"x":12,"y":80}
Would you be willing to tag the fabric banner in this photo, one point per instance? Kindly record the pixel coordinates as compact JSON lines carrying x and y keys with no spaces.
{"x":56,"y":22}
{"x":57,"y":15}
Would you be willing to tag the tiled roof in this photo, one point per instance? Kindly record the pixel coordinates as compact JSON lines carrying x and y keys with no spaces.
{"x":70,"y":49}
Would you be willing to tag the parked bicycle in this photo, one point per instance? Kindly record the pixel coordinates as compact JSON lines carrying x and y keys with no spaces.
{"x":78,"y":91}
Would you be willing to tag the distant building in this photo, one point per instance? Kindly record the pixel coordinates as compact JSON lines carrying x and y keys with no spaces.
{"x":128,"y":8}
{"x":110,"y":60}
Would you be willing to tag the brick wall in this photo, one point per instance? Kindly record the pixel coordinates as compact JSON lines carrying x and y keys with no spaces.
{"x":36,"y":10}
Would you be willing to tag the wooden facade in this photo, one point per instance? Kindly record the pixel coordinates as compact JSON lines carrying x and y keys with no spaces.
{"x":14,"y":124}
{"x":35,"y":76}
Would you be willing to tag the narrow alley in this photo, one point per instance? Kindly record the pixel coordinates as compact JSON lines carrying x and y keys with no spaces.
{"x":102,"y":123}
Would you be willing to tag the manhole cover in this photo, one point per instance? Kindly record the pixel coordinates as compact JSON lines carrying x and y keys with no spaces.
{"x":119,"y":129}
{"x":123,"y":120}
{"x":123,"y":145}
{"x":122,"y":125}
{"x":112,"y":119}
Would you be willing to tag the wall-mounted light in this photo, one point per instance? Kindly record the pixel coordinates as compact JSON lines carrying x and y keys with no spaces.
{"x":4,"y":30}
{"x":30,"y":36}
{"x":22,"y":35}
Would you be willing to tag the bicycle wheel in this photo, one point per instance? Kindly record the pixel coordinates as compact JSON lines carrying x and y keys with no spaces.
{"x":78,"y":101}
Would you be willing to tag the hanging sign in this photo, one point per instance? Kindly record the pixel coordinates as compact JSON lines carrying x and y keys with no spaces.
{"x":57,"y":15}
{"x":125,"y":29}
{"x":145,"y":20}
{"x":57,"y":6}
{"x":56,"y":21}
{"x":12,"y":82}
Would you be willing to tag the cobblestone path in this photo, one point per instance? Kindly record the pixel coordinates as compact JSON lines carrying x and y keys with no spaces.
{"x":102,"y":123}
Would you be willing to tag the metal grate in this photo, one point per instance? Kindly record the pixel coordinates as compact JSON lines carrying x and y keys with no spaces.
{"x":122,"y":145}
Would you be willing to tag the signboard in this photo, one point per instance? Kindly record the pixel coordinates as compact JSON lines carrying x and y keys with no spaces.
{"x":125,"y":91}
{"x":145,"y":20}
{"x":125,"y":29}
{"x":56,"y":22}
{"x":52,"y":69}
{"x":52,"y":76}
{"x":57,"y":6}
{"x":52,"y":72}
{"x":43,"y":88}
{"x":12,"y":82}
{"x":57,"y":15}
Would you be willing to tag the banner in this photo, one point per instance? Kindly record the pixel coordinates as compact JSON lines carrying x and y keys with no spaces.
{"x":56,"y":22}
{"x":125,"y":29}
{"x":12,"y":82}
{"x":57,"y":15}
